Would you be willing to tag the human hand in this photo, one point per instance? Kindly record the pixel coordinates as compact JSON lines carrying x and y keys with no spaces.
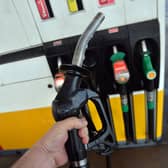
{"x":50,"y":150}
{"x":53,"y":142}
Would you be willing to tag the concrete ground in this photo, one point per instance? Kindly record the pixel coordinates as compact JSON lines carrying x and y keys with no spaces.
{"x":151,"y":157}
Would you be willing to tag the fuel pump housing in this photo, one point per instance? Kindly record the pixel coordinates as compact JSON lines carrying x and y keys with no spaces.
{"x":33,"y":49}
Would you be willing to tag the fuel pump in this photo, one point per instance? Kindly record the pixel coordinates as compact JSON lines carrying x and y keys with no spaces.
{"x":72,"y":98}
{"x":133,"y":97}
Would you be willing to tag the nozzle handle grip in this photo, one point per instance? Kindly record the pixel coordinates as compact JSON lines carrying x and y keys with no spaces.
{"x":75,"y":148}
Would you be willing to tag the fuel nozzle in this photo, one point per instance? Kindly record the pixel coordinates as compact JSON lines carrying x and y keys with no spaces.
{"x":150,"y":75}
{"x":148,"y":69}
{"x":122,"y":76}
{"x":121,"y":73}
{"x":71,"y":98}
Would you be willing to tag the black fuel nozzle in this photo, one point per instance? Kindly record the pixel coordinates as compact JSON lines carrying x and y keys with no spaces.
{"x":68,"y":103}
{"x":72,"y":98}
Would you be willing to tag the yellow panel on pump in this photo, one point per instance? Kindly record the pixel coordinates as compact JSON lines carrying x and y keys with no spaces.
{"x":117,"y":118}
{"x":95,"y":116}
{"x":159,"y":124}
{"x":21,"y":129}
{"x":139,"y":113}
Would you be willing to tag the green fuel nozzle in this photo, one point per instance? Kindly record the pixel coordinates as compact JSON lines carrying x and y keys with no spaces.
{"x":150,"y":75}
{"x":148,"y":69}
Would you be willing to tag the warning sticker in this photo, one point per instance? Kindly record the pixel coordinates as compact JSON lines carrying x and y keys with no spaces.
{"x":42,"y":8}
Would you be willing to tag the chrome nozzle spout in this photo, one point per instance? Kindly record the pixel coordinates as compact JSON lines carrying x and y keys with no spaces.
{"x":79,"y":54}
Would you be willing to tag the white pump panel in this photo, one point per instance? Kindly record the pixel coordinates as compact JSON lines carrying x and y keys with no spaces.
{"x":17,"y":27}
{"x":140,"y":10}
{"x":66,"y":24}
{"x":22,"y":27}
{"x":25,"y":70}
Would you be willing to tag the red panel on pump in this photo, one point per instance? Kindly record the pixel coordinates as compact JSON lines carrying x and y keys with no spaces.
{"x":42,"y":8}
{"x":106,"y":2}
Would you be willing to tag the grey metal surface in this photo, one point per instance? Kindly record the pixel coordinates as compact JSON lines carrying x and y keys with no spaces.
{"x":79,"y":54}
{"x":166,"y":8}
{"x":166,"y":82}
